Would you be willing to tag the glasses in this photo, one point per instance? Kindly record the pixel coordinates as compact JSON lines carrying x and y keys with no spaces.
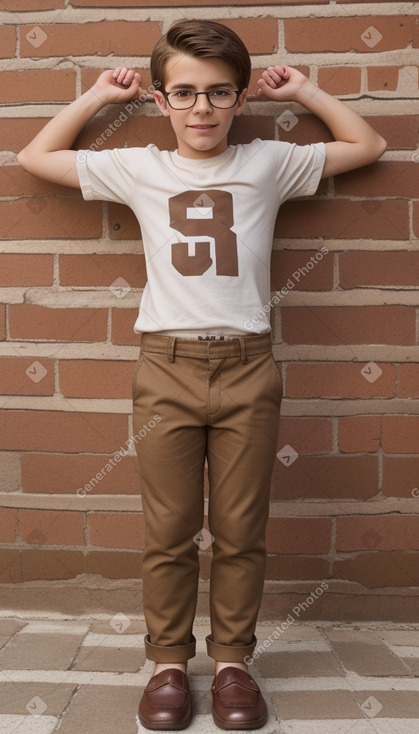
{"x":182,"y":99}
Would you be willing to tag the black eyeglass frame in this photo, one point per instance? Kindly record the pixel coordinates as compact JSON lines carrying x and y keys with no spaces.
{"x":237,"y":92}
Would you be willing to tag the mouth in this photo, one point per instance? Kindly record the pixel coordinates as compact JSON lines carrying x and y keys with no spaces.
{"x":202,"y":127}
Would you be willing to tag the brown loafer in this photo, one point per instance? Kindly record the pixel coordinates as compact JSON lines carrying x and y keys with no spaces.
{"x":166,"y":702}
{"x":237,"y":701}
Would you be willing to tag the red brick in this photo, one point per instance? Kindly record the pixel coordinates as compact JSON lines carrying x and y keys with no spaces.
{"x":40,"y":85}
{"x":116,"y":530}
{"x":17,"y":132}
{"x":298,"y":535}
{"x":49,"y":527}
{"x":248,"y":127}
{"x":102,"y":270}
{"x":389,"y":532}
{"x":384,"y":178}
{"x":384,"y":78}
{"x":260,"y":35}
{"x":81,"y":378}
{"x":397,"y":268}
{"x":359,"y":433}
{"x":400,"y":131}
{"x":51,"y":565}
{"x":123,"y":321}
{"x":339,"y":380}
{"x":310,"y":270}
{"x":288,"y":568}
{"x":380,"y":570}
{"x":123,"y":224}
{"x":346,"y":34}
{"x":2,"y":322}
{"x":338,"y":80}
{"x":25,"y":270}
{"x":349,"y":325}
{"x":38,"y":430}
{"x":183,"y":3}
{"x":14,"y":181}
{"x":7,"y":41}
{"x":32,"y":5}
{"x":26,"y":376}
{"x":344,"y":219}
{"x":326,"y":478}
{"x":114,"y":564}
{"x":66,"y":473}
{"x":306,"y":435}
{"x":119,"y":38}
{"x":10,"y":566}
{"x":400,"y":434}
{"x":41,"y":218}
{"x":408,"y":386}
{"x":29,"y":321}
{"x":8,"y":525}
{"x":401,"y":476}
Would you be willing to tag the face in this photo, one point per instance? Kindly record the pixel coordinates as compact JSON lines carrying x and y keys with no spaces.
{"x":201,"y":130}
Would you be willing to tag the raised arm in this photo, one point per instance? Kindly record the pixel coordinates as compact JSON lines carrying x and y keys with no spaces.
{"x":356,"y":142}
{"x":49,"y":154}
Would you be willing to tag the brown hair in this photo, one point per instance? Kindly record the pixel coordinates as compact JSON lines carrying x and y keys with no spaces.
{"x":203,"y":39}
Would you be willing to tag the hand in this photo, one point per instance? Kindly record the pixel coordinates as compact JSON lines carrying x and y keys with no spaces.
{"x":120,"y":85}
{"x":281,"y":83}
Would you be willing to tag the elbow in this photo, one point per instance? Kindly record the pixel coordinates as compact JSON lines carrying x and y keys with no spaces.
{"x":22,"y":159}
{"x":381,"y":147}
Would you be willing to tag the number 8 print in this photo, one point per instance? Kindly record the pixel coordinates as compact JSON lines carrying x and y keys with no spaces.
{"x":204,"y":214}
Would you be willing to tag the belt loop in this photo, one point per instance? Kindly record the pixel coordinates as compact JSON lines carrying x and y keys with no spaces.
{"x":171,"y":345}
{"x":243,"y":355}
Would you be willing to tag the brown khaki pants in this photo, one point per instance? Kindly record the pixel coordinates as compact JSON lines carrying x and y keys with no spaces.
{"x":219,"y":401}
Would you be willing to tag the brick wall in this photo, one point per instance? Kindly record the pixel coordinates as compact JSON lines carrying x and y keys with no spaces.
{"x":345,"y":269}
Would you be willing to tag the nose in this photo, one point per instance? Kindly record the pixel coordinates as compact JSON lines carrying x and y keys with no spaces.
{"x":202,"y":104}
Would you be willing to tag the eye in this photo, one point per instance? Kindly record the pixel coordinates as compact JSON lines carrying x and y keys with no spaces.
{"x":182,"y":94}
{"x":220,"y":93}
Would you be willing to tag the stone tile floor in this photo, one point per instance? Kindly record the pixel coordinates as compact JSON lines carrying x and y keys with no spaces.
{"x":86,"y":676}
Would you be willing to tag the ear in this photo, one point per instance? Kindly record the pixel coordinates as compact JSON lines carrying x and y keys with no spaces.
{"x":161,"y":103}
{"x":241,"y":102}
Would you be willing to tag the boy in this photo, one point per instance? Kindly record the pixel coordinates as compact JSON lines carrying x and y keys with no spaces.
{"x":207,"y":214}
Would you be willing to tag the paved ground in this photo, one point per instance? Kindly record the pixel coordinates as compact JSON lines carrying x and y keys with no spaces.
{"x":85,"y":676}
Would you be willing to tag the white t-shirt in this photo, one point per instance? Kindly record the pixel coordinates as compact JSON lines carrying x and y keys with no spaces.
{"x":207,"y":227}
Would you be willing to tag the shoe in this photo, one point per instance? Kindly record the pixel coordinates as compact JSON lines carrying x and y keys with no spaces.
{"x":166,"y":702}
{"x":237,"y":701}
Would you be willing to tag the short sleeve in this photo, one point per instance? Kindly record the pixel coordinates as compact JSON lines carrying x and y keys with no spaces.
{"x":298,"y":168}
{"x":109,"y":175}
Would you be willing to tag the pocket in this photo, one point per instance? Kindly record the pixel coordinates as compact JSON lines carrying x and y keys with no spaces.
{"x":276,"y":368}
{"x":135,"y":377}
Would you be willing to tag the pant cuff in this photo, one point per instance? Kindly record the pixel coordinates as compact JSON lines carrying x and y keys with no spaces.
{"x":229,"y":653}
{"x":169,"y":653}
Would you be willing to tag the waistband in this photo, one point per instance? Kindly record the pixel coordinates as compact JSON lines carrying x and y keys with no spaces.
{"x":239,"y":346}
